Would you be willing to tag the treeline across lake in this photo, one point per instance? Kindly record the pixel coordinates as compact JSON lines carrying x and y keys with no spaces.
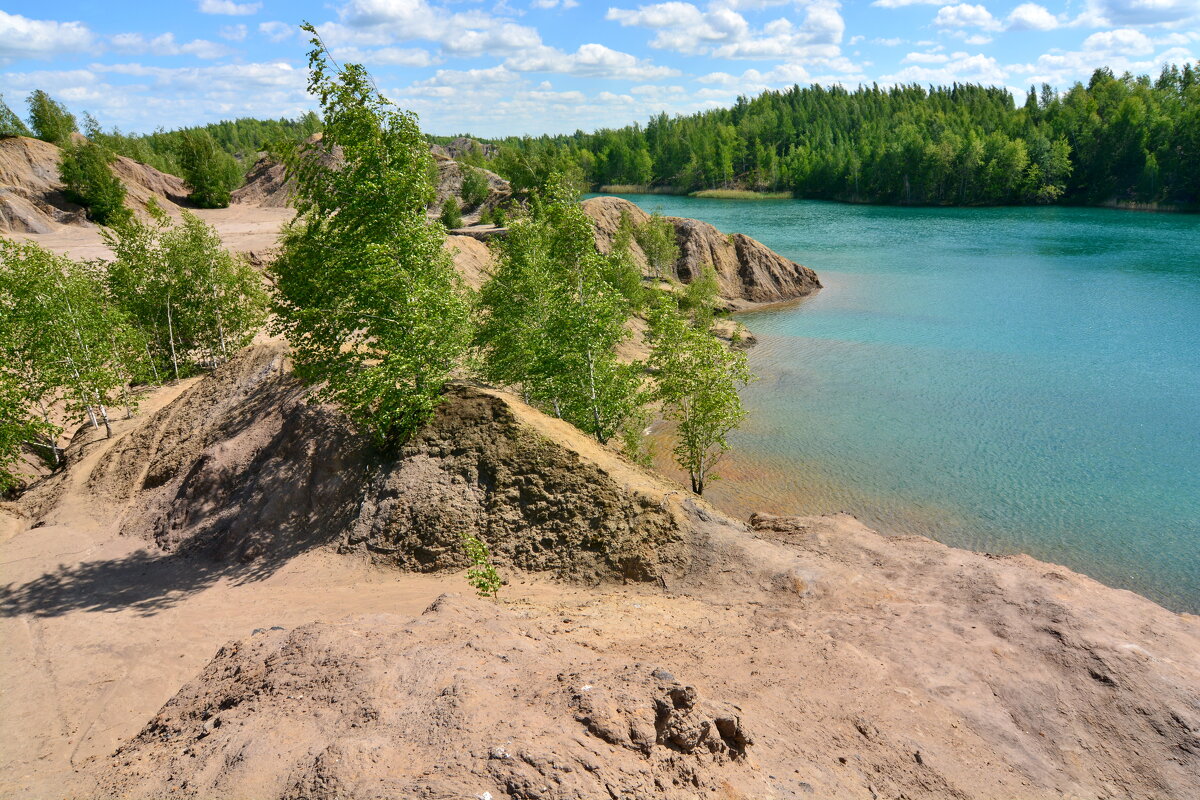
{"x":1123,"y":139}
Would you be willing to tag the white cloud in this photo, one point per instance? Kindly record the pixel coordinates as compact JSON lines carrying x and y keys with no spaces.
{"x":21,"y":37}
{"x":229,"y":8}
{"x":276,"y":31}
{"x":140,"y":98}
{"x":554,"y":4}
{"x":233,"y":33}
{"x":165,"y":45}
{"x":925,"y":58}
{"x":904,"y":3}
{"x":894,"y":42}
{"x":386,"y":56}
{"x":722,"y":32}
{"x":1031,"y":17}
{"x":1123,"y":42}
{"x":961,"y":67}
{"x":966,"y":15}
{"x":1061,"y":68}
{"x":592,"y":60}
{"x":1138,"y":13}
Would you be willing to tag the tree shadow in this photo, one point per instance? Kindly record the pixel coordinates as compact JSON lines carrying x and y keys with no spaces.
{"x":142,"y":581}
{"x":219,"y":517}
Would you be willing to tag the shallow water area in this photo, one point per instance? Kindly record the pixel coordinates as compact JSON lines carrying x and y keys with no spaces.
{"x":1003,"y":379}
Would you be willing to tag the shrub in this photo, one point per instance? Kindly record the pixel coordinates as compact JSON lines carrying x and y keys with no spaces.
{"x":700,"y":296}
{"x":10,"y":123}
{"x":475,"y":187}
{"x":89,"y":181}
{"x":481,"y":575}
{"x":50,"y":119}
{"x":451,"y":214}
{"x":210,"y":172}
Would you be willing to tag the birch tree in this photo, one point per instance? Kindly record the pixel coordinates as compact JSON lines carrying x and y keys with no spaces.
{"x":368,"y":298}
{"x":551,"y":322}
{"x":696,"y":380}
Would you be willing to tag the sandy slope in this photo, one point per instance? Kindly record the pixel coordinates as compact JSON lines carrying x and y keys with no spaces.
{"x":242,"y":228}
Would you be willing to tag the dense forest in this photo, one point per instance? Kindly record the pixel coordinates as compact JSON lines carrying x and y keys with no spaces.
{"x":1126,"y":139}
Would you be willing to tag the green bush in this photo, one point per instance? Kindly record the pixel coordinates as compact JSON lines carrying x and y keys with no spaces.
{"x":10,"y":123}
{"x":475,"y":187}
{"x":451,"y":213}
{"x":50,"y":119}
{"x":88,"y":180}
{"x":210,"y":172}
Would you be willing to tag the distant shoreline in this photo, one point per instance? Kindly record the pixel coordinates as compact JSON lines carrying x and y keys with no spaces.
{"x":750,"y":194}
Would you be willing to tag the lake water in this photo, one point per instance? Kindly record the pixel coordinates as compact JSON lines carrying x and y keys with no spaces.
{"x":1008,"y":380}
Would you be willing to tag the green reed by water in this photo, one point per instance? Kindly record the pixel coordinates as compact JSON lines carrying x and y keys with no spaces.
{"x":1012,"y":379}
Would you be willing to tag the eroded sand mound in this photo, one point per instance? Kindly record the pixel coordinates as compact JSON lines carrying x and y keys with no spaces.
{"x":241,"y":467}
{"x":31,"y":198}
{"x":748,"y":271}
{"x":466,"y":699}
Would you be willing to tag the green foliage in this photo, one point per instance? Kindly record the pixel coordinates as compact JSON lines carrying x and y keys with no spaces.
{"x":551,"y":321}
{"x":1125,"y":138}
{"x":620,"y":270}
{"x":634,"y":443}
{"x":367,"y":296}
{"x":481,"y":575}
{"x":451,"y":216}
{"x":656,"y":237}
{"x":210,"y":172}
{"x":475,"y":187}
{"x":89,"y":180}
{"x":196,"y":302}
{"x":49,"y":119}
{"x":699,"y":297}
{"x":16,"y":427}
{"x":696,"y":380}
{"x":10,"y":123}
{"x":63,"y":340}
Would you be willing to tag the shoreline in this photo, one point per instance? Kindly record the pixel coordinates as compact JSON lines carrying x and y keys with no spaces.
{"x":617,"y":190}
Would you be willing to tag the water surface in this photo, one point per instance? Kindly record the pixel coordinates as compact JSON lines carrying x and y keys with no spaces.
{"x":1017,"y":379}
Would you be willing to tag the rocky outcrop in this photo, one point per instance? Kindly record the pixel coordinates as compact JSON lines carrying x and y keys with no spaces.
{"x":450,"y":180}
{"x":748,"y":272}
{"x":464,"y":146}
{"x":267,"y":183}
{"x":31,"y":195}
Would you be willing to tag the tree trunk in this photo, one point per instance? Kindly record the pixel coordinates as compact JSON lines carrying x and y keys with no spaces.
{"x":171,"y":337}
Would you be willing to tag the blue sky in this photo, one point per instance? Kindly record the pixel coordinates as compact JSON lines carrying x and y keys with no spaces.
{"x":548,"y":66}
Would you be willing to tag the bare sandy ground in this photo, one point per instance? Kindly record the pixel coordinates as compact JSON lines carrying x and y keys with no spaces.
{"x":243,"y":228}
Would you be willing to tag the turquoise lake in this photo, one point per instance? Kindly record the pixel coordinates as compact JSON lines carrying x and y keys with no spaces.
{"x":1008,"y":380}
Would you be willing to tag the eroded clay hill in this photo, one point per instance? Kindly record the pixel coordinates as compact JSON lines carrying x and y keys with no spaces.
{"x":31,"y":197}
{"x":706,"y":657}
{"x":267,"y":183}
{"x":748,"y":271}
